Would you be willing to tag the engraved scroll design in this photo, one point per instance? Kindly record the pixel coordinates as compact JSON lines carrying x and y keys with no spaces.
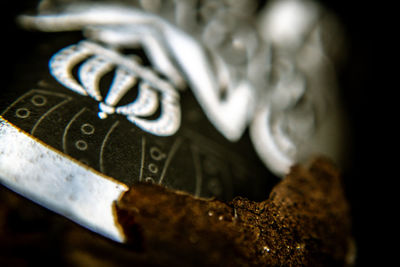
{"x":153,"y":92}
{"x":276,"y":79}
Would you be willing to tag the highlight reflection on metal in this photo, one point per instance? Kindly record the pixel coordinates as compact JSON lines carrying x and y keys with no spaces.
{"x":127,"y":75}
{"x":67,"y":187}
{"x":230,"y":116}
{"x":275,"y":78}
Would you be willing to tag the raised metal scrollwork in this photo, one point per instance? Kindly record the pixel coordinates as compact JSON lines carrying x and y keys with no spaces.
{"x":267,"y":69}
{"x":128,"y":73}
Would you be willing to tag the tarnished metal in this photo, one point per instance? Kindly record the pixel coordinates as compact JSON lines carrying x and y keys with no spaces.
{"x":165,"y":92}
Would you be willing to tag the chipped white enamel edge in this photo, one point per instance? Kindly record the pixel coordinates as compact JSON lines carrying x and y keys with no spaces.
{"x":57,"y":182}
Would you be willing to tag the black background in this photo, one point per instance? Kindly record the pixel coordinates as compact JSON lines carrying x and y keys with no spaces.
{"x":367,"y":93}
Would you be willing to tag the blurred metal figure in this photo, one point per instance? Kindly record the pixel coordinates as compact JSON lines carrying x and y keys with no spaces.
{"x":265,"y":69}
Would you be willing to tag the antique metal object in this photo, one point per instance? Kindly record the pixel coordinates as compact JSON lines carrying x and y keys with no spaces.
{"x":163,"y":92}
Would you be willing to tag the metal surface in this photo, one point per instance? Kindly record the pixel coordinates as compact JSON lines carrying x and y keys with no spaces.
{"x":60,"y":183}
{"x":279,"y":70}
{"x":143,"y":93}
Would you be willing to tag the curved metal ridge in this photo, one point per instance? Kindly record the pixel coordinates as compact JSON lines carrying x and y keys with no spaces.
{"x":68,"y":188}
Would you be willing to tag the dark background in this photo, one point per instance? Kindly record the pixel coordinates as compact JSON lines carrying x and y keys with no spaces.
{"x":366,"y":88}
{"x":366,"y":92}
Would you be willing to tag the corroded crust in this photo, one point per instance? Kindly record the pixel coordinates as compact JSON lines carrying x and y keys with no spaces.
{"x":305,"y":221}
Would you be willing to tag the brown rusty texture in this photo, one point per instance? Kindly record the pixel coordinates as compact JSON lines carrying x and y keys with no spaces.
{"x":304,"y":222}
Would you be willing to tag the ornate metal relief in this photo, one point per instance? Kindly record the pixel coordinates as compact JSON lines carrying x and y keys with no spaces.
{"x":125,"y":86}
{"x":275,"y":78}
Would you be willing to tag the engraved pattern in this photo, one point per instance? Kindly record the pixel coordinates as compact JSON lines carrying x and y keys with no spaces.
{"x":275,"y":78}
{"x":120,"y":150}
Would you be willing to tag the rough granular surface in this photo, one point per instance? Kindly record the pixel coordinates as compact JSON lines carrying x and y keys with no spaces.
{"x":304,"y":222}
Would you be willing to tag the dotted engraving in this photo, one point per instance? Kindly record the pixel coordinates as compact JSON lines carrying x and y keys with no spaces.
{"x":87,"y":129}
{"x":149,"y":180}
{"x":157,"y":154}
{"x":39,"y":100}
{"x":186,"y":162}
{"x":153,"y":168}
{"x":81,"y":145}
{"x":22,"y":113}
